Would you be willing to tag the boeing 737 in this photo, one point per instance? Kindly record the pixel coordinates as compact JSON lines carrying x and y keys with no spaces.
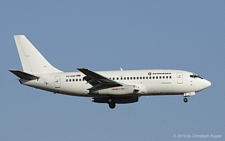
{"x":112,"y":87}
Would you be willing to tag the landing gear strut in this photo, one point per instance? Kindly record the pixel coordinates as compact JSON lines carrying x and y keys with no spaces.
{"x":111,"y":103}
{"x":185,"y":99}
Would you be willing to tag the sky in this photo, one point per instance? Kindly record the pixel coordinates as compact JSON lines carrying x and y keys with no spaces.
{"x":106,"y":35}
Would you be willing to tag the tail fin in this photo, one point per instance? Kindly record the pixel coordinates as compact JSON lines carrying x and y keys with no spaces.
{"x":32,"y":60}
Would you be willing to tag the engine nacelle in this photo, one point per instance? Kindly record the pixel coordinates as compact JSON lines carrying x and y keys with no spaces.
{"x":118,"y":100}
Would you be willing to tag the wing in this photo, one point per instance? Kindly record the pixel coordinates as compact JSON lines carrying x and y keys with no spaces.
{"x":98,"y":81}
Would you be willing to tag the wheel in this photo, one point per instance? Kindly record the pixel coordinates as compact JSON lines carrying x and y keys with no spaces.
{"x":185,"y":100}
{"x":112,"y":105}
{"x":109,"y":100}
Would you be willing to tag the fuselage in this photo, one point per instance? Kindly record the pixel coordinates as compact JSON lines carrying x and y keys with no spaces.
{"x":150,"y":82}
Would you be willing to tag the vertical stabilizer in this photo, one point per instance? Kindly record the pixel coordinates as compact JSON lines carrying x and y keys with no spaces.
{"x":32,"y":60}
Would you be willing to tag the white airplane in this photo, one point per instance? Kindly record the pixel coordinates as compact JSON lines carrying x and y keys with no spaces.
{"x":112,"y":87}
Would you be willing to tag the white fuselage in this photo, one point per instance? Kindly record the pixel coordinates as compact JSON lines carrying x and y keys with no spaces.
{"x":150,"y":82}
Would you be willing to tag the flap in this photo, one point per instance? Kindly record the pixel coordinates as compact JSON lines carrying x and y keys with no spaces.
{"x":24,"y":75}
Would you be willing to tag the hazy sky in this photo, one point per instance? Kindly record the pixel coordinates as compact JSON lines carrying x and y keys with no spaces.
{"x":106,"y":35}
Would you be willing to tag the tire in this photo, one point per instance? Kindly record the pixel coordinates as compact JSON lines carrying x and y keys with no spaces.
{"x":112,"y":105}
{"x":185,"y":100}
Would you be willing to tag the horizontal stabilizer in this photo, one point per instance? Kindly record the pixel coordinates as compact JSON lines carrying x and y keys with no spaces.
{"x":24,"y":75}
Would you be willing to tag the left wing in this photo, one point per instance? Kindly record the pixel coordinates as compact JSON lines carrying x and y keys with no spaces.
{"x":98,"y":81}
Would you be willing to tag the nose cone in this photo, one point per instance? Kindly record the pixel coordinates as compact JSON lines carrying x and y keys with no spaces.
{"x":206,"y":84}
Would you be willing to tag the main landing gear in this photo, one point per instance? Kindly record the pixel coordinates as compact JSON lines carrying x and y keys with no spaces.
{"x":111,"y":103}
{"x":185,"y":99}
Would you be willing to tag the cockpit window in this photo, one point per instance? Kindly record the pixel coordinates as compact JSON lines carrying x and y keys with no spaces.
{"x":195,"y":76}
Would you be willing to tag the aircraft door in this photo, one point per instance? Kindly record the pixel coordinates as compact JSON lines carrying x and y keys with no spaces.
{"x":57,"y":82}
{"x":179,"y":78}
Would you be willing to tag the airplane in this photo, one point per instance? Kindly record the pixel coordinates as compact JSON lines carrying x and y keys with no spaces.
{"x":112,"y":87}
